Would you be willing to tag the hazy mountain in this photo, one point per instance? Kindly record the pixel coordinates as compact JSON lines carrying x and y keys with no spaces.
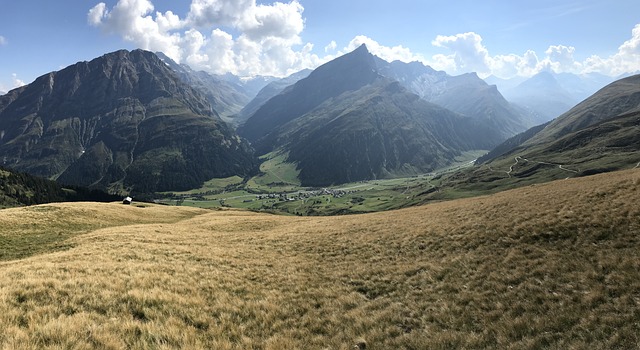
{"x":346,"y":122}
{"x":466,"y":94}
{"x":547,"y":95}
{"x":599,"y":134}
{"x":504,"y":84}
{"x":121,"y":121}
{"x":270,"y":90}
{"x":226,"y":96}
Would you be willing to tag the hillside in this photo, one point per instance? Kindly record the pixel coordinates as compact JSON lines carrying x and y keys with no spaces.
{"x":545,"y":266}
{"x":20,"y":189}
{"x":123,"y":122}
{"x":466,"y":94}
{"x":225,"y":97}
{"x":266,"y":93}
{"x":378,"y":131}
{"x":600,"y":134}
{"x":346,"y":73}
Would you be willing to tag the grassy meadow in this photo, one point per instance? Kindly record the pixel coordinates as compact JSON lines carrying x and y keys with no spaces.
{"x":277,"y":176}
{"x":545,"y":266}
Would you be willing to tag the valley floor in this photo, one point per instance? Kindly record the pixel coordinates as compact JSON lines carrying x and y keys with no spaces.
{"x":545,"y":266}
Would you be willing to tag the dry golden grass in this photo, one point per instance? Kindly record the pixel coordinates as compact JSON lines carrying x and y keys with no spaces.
{"x":546,"y":266}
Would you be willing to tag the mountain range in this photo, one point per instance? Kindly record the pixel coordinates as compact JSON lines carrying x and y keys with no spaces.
{"x":135,"y":121}
{"x":124,"y":122}
{"x":353,"y":119}
{"x":466,"y":94}
{"x":547,"y":95}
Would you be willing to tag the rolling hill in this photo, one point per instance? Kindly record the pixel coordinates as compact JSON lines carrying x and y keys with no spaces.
{"x":123,"y":122}
{"x":545,"y":266}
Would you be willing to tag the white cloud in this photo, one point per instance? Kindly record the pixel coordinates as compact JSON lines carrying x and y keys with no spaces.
{"x":3,"y":41}
{"x":331,"y":47}
{"x":267,"y":42}
{"x":246,"y":39}
{"x":387,"y":53}
{"x":132,"y":20}
{"x":97,"y":14}
{"x":16,"y":82}
{"x":208,"y":13}
{"x":626,"y":60}
{"x":468,"y":54}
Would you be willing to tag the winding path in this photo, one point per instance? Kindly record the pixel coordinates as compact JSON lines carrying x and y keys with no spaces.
{"x":560,"y":166}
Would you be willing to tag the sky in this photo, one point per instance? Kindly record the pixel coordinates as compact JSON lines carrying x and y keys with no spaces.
{"x":504,"y":38}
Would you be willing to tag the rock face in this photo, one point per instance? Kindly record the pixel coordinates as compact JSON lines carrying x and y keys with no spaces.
{"x":123,"y":121}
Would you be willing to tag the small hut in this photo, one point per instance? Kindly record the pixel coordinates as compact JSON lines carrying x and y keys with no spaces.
{"x":127,"y":200}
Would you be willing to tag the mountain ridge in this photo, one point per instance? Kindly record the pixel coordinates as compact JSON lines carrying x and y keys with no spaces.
{"x":123,"y":121}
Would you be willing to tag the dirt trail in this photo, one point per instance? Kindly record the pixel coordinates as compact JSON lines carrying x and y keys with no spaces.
{"x":560,"y":166}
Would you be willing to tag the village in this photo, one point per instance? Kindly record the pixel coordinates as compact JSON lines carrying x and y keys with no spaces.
{"x":302,"y":195}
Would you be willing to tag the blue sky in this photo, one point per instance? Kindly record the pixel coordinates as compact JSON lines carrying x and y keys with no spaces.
{"x":245,"y":37}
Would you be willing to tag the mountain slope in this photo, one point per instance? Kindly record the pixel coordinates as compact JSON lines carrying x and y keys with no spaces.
{"x":20,"y":189}
{"x":266,"y":93}
{"x":346,"y":73}
{"x":466,"y":94}
{"x":600,"y":134}
{"x":378,"y":131}
{"x":226,"y":97}
{"x":124,"y":121}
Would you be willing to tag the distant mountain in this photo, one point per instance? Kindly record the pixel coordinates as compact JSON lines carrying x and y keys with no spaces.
{"x":270,"y":90}
{"x":19,"y":189}
{"x":225,"y":96}
{"x":504,"y":84}
{"x":602,"y":133}
{"x":466,"y":94}
{"x":123,"y":121}
{"x":346,"y":122}
{"x":547,"y":95}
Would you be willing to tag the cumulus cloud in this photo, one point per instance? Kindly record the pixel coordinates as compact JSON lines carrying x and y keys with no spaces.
{"x":16,"y":82}
{"x":625,"y":60}
{"x":468,"y":54}
{"x":387,"y":53}
{"x":266,"y":42}
{"x":247,"y":39}
{"x":331,"y":47}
